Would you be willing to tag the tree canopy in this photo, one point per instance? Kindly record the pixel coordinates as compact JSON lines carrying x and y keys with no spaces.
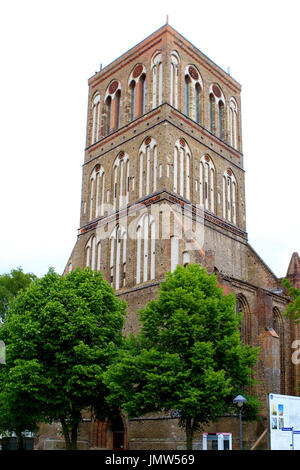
{"x":60,"y":335}
{"x":293,"y":308}
{"x":10,"y":285}
{"x":188,"y":355}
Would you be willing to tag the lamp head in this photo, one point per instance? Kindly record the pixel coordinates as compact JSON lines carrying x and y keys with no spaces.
{"x":239,"y":401}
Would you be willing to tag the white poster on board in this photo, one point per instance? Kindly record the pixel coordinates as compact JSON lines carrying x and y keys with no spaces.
{"x":284,"y":416}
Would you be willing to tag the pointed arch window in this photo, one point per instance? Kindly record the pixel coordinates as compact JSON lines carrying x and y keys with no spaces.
{"x":132,"y":100}
{"x":143,"y":95}
{"x":93,"y":254}
{"x":174,"y":252}
{"x":198,"y":103}
{"x":212,"y":113}
{"x":145,"y":267}
{"x":88,"y":256}
{"x":108,"y":114}
{"x":137,"y":88}
{"x":242,"y":307}
{"x":118,"y":109}
{"x":221,"y":119}
{"x":186,"y":258}
{"x":97,"y":192}
{"x":182,"y":168}
{"x":157,"y":80}
{"x":278,"y":327}
{"x":217,"y":111}
{"x":229,"y":196}
{"x":112,"y":106}
{"x":121,"y":178}
{"x":148,"y":167}
{"x":233,"y":123}
{"x":96,"y":118}
{"x":187,"y":95}
{"x":118,"y":245}
{"x":207,"y":184}
{"x":174,"y":79}
{"x":193,"y":93}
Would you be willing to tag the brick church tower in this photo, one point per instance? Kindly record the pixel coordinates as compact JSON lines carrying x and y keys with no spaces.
{"x":164,"y":184}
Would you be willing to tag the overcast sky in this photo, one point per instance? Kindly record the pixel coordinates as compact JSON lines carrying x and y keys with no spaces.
{"x":49,"y":49}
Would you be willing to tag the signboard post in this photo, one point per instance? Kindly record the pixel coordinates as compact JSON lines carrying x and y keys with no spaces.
{"x":284,"y":419}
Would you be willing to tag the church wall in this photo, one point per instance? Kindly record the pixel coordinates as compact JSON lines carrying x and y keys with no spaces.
{"x":223,"y":249}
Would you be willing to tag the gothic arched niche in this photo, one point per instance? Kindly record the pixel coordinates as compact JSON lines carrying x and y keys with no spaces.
{"x":278,"y":327}
{"x":242,"y":307}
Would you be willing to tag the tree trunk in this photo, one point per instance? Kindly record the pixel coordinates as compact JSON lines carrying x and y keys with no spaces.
{"x":70,"y":433}
{"x":189,"y":434}
{"x":74,"y":436}
{"x":66,"y":433}
{"x":20,"y":440}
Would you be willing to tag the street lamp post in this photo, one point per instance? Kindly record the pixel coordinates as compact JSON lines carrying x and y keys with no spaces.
{"x":239,"y":402}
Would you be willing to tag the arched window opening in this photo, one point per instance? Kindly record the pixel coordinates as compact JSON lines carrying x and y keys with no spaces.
{"x":148,"y":167}
{"x":118,"y":244}
{"x":118,"y":105}
{"x":221,"y":120}
{"x":99,"y":256}
{"x":242,"y":307}
{"x":87,"y":256}
{"x":193,"y":87}
{"x":174,"y":79}
{"x":229,"y":197}
{"x":143,"y":95}
{"x":121,"y":178}
{"x":97,"y":192}
{"x":197,"y":103}
{"x":108,"y":114}
{"x":186,"y":258}
{"x":212,"y":113}
{"x":137,"y":86}
{"x":92,"y":186}
{"x":217,"y":111}
{"x":233,"y":123}
{"x":132,"y":100}
{"x":278,"y":327}
{"x":145,"y":236}
{"x":187,"y":94}
{"x":96,"y":118}
{"x":157,"y":80}
{"x":113,"y":104}
{"x":207,"y":184}
{"x":182,"y":168}
{"x":239,"y":311}
{"x":174,"y":252}
{"x":91,"y":254}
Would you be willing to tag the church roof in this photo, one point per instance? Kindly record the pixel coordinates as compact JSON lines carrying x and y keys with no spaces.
{"x":294,"y":266}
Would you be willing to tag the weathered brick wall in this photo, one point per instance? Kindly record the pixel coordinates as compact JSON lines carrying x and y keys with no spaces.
{"x":225,"y":248}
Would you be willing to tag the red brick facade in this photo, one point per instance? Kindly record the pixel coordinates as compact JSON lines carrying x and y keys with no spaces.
{"x":164,"y":132}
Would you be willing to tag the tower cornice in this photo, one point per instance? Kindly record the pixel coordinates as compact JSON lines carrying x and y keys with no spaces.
{"x":165,"y":113}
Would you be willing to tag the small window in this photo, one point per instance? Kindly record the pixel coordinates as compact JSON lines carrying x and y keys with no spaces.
{"x":186,"y":258}
{"x":108,"y":114}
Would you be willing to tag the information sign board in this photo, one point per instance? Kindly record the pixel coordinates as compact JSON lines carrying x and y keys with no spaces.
{"x":284,"y":417}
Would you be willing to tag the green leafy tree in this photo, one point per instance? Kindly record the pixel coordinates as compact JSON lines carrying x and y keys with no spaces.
{"x":60,"y":335}
{"x":293,"y":309}
{"x":19,"y":410}
{"x":188,"y":355}
{"x":10,"y":285}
